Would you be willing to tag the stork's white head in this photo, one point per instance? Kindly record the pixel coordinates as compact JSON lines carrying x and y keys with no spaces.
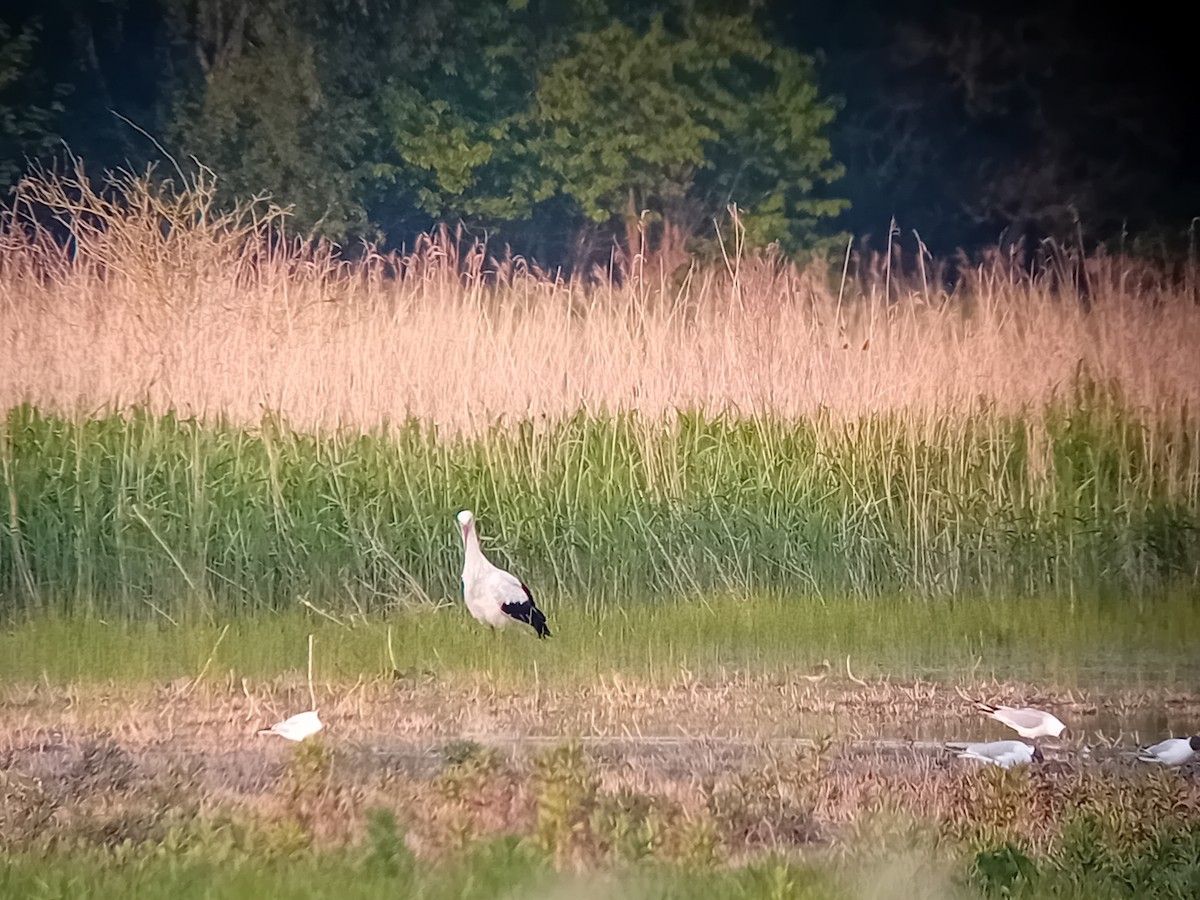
{"x":465,"y":519}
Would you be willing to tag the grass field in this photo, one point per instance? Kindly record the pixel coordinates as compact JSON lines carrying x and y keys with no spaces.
{"x":555,"y":826}
{"x":1147,"y":643}
{"x":201,"y":419}
{"x":216,"y":443}
{"x":499,"y":870}
{"x":506,"y":869}
{"x":149,"y":513}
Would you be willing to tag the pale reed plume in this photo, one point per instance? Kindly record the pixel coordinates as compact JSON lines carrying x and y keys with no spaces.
{"x":146,"y":294}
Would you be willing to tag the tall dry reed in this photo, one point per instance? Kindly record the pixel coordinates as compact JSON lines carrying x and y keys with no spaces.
{"x":143,"y":293}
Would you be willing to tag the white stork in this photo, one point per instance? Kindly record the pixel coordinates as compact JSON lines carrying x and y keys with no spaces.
{"x":1171,"y":752}
{"x":494,"y":596}
{"x":999,"y":753}
{"x":1026,"y":721}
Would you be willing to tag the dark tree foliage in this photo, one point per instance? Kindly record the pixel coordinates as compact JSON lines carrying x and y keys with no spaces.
{"x":88,"y":61}
{"x":603,"y":120}
{"x":31,"y":108}
{"x":962,"y":119}
{"x":577,"y":129}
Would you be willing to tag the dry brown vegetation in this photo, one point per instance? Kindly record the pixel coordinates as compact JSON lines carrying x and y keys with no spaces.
{"x":159,"y":299}
{"x":100,"y":765}
{"x":419,"y":709}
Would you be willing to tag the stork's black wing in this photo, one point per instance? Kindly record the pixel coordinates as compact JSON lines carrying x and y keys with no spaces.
{"x":526,"y":611}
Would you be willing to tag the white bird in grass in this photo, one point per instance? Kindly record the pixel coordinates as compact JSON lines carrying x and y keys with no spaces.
{"x":1026,"y":721}
{"x":1171,"y":752}
{"x":1000,"y":753}
{"x":494,"y":596}
{"x":298,"y":727}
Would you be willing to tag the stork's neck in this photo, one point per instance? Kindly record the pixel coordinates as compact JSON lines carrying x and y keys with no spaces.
{"x":473,"y":556}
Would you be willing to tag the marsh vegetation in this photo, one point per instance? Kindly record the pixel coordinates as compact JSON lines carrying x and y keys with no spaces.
{"x":216,"y":444}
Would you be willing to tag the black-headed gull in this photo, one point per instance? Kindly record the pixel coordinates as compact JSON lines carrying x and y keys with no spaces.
{"x":1025,"y":721}
{"x":1000,"y":753}
{"x":494,"y":596}
{"x":1171,"y":752}
{"x":296,"y":728}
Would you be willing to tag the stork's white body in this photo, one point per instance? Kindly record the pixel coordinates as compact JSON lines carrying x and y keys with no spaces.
{"x":486,"y":592}
{"x":999,"y":753}
{"x":1025,"y":721}
{"x":1171,"y":752}
{"x":298,"y":727}
{"x":494,"y":596}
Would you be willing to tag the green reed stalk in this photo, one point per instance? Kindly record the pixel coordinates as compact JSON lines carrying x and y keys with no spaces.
{"x":143,"y":514}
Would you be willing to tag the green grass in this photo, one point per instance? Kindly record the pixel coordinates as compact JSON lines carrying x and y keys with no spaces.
{"x":497,"y":870}
{"x":135,"y":515}
{"x":1163,"y":866}
{"x":1147,"y":643}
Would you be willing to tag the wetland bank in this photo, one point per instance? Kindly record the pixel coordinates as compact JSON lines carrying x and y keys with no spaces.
{"x":722,"y":786}
{"x":782,"y":527}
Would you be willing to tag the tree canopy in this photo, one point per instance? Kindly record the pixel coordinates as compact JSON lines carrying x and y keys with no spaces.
{"x":568,"y":128}
{"x":29,"y":106}
{"x":377,"y":117}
